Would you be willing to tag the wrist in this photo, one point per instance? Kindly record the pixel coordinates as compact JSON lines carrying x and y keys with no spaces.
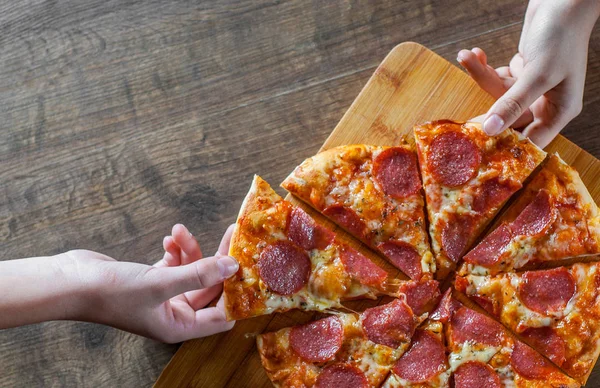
{"x":75,"y":289}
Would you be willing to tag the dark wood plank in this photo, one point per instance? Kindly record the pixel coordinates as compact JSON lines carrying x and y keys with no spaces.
{"x":119,"y":119}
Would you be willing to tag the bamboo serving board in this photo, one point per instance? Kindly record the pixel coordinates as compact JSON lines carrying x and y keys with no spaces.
{"x":412,"y":85}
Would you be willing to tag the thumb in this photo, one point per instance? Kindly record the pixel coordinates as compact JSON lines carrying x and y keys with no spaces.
{"x":205,"y":273}
{"x":503,"y":114}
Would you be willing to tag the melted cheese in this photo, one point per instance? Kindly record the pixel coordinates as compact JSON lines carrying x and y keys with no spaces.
{"x":507,"y":376}
{"x":471,"y":352}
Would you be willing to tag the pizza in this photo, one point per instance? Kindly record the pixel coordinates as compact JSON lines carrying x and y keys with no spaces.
{"x":425,"y":363}
{"x":533,"y":328}
{"x":288,"y":261}
{"x":554,"y":219}
{"x":375,"y":194}
{"x":482,"y":353}
{"x":556,"y":311}
{"x":467,"y":177}
{"x":479,"y":352}
{"x":342,"y":350}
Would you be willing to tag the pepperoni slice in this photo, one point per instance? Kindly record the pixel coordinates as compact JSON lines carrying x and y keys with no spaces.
{"x":547,"y":291}
{"x":492,"y":194}
{"x":404,"y":257}
{"x":424,"y":359}
{"x":341,"y":375}
{"x":284,"y":267}
{"x":346,"y":218}
{"x":546,"y":341}
{"x":446,"y":308}
{"x":304,"y":231}
{"x":469,"y":325}
{"x":391,"y":324}
{"x":395,"y":169}
{"x":421,"y":296}
{"x":528,"y":363}
{"x":361,"y":268}
{"x":489,"y":250}
{"x":536,"y":216}
{"x":453,"y":158}
{"x":476,"y":374}
{"x":455,"y":237}
{"x":318,"y":341}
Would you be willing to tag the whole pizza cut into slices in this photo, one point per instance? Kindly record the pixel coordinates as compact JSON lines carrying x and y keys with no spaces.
{"x":375,"y":194}
{"x":556,"y":311}
{"x":343,"y":350}
{"x":288,"y":261}
{"x":468,"y":176}
{"x":554,"y":219}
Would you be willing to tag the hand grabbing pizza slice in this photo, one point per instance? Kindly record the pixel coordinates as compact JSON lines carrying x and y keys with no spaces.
{"x":288,"y":261}
{"x":375,"y":194}
{"x":467,"y":177}
{"x":556,"y":311}
{"x":554,"y":219}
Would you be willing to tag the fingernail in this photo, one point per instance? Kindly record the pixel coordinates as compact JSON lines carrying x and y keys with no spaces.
{"x":493,"y":124}
{"x":460,"y":58}
{"x":227,"y":266}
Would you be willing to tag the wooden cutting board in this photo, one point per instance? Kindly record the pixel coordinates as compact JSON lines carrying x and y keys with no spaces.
{"x":412,"y":85}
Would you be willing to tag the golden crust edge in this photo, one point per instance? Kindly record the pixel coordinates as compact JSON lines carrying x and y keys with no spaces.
{"x":246,"y":208}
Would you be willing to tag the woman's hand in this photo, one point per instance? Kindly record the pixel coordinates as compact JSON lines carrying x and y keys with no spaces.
{"x":166,"y":301}
{"x":542,"y":88}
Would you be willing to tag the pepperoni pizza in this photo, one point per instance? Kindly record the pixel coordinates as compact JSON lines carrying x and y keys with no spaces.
{"x":375,"y":194}
{"x":425,"y":364}
{"x":344,"y":350}
{"x":556,"y":311}
{"x":289,"y":261}
{"x":554,"y":219}
{"x":468,"y":176}
{"x":461,"y":348}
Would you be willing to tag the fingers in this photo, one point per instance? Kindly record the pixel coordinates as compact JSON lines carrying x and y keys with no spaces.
{"x":484,"y":75}
{"x":541,"y":133}
{"x":200,"y":298}
{"x":205,"y":273}
{"x":210,"y":321}
{"x":515,"y":102}
{"x":190,"y":249}
{"x":551,"y":118}
{"x":195,"y":324}
{"x":504,"y":72}
{"x":481,"y":55}
{"x":516,"y":65}
{"x":172,"y":255}
{"x":226,"y":241}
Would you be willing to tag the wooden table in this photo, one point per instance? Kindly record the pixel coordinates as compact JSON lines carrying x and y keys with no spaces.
{"x":119,"y":119}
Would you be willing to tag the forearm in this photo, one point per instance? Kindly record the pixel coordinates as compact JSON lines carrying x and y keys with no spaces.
{"x":39,"y":289}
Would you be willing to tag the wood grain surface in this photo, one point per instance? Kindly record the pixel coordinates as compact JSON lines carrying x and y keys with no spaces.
{"x":120,"y":118}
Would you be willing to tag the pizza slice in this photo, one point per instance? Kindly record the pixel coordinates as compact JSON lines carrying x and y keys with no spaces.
{"x":556,"y":311}
{"x":554,"y":219}
{"x":459,"y":347}
{"x":288,"y":261}
{"x":482,"y":353}
{"x":425,"y":363}
{"x":374,"y":193}
{"x":343,"y":350}
{"x":468,"y":176}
